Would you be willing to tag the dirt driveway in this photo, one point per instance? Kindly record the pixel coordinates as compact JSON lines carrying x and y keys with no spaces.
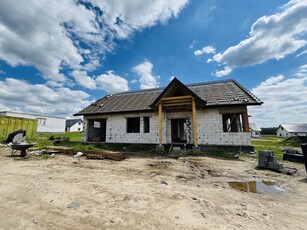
{"x":145,"y":193}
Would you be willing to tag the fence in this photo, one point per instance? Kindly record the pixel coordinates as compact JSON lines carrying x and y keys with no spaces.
{"x":11,"y":124}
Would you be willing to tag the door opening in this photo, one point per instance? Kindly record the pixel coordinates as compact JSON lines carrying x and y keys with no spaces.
{"x":179,"y":127}
{"x":97,"y":130}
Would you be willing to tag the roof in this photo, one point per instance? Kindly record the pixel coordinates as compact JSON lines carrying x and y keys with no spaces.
{"x":71,"y":122}
{"x":254,"y":127}
{"x":215,"y":93}
{"x":27,"y":115}
{"x":295,"y":128}
{"x":175,"y":86}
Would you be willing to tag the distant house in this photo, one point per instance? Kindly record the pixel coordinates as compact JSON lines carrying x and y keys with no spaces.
{"x":202,"y":115}
{"x":255,"y":130}
{"x":45,"y":124}
{"x":290,"y":130}
{"x":74,"y":125}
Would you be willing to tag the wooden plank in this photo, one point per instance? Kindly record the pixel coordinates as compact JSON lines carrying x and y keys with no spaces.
{"x":160,"y":124}
{"x":176,"y":98}
{"x":194,"y":123}
{"x":176,"y":104}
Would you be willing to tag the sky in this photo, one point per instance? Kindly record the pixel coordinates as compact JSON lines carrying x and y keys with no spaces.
{"x":57,"y":57}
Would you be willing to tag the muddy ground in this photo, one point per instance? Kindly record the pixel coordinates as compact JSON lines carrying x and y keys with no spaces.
{"x":145,"y":193}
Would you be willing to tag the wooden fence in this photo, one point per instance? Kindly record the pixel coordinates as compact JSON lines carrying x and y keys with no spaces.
{"x":11,"y":124}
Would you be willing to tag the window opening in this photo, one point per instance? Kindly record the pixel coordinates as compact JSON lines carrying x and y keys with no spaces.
{"x":133,"y":125}
{"x":146,"y":124}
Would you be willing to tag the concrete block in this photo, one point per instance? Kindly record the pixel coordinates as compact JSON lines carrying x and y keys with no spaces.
{"x":275,"y":166}
{"x":160,"y":148}
{"x":196,"y":150}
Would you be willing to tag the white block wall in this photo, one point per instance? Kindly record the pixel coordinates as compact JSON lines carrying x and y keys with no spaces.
{"x":210,"y":130}
{"x":209,"y":124}
{"x":117,"y":129}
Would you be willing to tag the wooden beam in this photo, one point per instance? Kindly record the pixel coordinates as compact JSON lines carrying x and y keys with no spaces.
{"x":176,"y":104}
{"x":160,"y":124}
{"x":245,"y":122}
{"x":194,"y":123}
{"x":176,"y":98}
{"x":178,"y":101}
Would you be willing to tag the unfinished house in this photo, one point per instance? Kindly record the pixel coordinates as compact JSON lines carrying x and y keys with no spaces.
{"x":209,"y":114}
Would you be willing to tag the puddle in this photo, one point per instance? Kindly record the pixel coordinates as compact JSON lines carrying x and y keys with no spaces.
{"x":257,"y":186}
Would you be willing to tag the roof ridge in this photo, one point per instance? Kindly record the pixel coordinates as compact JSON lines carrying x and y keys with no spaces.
{"x":162,"y":88}
{"x":209,"y":82}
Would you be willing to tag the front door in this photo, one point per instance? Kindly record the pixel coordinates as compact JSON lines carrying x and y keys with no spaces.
{"x":178,"y":127}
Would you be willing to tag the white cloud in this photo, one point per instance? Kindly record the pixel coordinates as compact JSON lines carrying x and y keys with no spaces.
{"x":47,"y":34}
{"x":205,"y":50}
{"x":83,"y":79}
{"x":146,"y":79}
{"x":191,"y":46}
{"x":37,"y":98}
{"x":223,"y":72}
{"x":171,"y":78}
{"x":125,"y":17}
{"x":271,"y":37}
{"x":110,"y":82}
{"x":285,"y":100}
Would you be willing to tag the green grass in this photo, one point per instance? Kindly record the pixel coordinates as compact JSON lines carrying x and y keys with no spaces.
{"x":278,"y":145}
{"x":43,"y":140}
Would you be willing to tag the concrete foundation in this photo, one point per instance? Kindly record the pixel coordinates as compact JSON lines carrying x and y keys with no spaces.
{"x":196,"y":150}
{"x":160,"y":148}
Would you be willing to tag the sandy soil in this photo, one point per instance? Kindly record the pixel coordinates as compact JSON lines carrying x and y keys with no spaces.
{"x":145,"y":193}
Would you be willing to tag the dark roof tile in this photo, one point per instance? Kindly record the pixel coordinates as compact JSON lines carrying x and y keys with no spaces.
{"x":216,"y":93}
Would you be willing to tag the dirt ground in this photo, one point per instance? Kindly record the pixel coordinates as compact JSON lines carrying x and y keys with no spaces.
{"x":145,"y":193}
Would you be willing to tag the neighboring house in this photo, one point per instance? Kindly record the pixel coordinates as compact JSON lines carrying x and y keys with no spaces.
{"x":202,"y":114}
{"x":45,"y":124}
{"x":290,"y":130}
{"x":254,"y":130}
{"x":74,"y":125}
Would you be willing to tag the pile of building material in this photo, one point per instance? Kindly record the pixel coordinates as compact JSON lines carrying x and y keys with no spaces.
{"x":267,"y":160}
{"x":96,"y":155}
{"x":293,"y":155}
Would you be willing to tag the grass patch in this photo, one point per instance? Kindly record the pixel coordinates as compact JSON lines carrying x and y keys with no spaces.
{"x":278,"y":145}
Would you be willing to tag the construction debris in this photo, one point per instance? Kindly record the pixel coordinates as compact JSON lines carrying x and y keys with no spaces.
{"x":267,"y":160}
{"x":95,"y":155}
{"x":293,"y":155}
{"x":79,"y":154}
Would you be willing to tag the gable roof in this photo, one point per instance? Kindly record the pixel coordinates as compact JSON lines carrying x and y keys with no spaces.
{"x":180,"y":87}
{"x":71,"y":122}
{"x":295,"y":128}
{"x":216,"y":93}
{"x":254,"y":127}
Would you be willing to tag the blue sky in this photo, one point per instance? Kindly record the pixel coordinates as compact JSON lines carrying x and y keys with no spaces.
{"x":56,"y":57}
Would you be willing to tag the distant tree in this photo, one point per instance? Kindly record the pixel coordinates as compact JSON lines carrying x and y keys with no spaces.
{"x":269,"y":131}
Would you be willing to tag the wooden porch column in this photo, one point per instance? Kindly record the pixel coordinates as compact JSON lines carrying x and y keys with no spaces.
{"x":194,"y":123}
{"x":245,"y":122}
{"x":160,"y":124}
